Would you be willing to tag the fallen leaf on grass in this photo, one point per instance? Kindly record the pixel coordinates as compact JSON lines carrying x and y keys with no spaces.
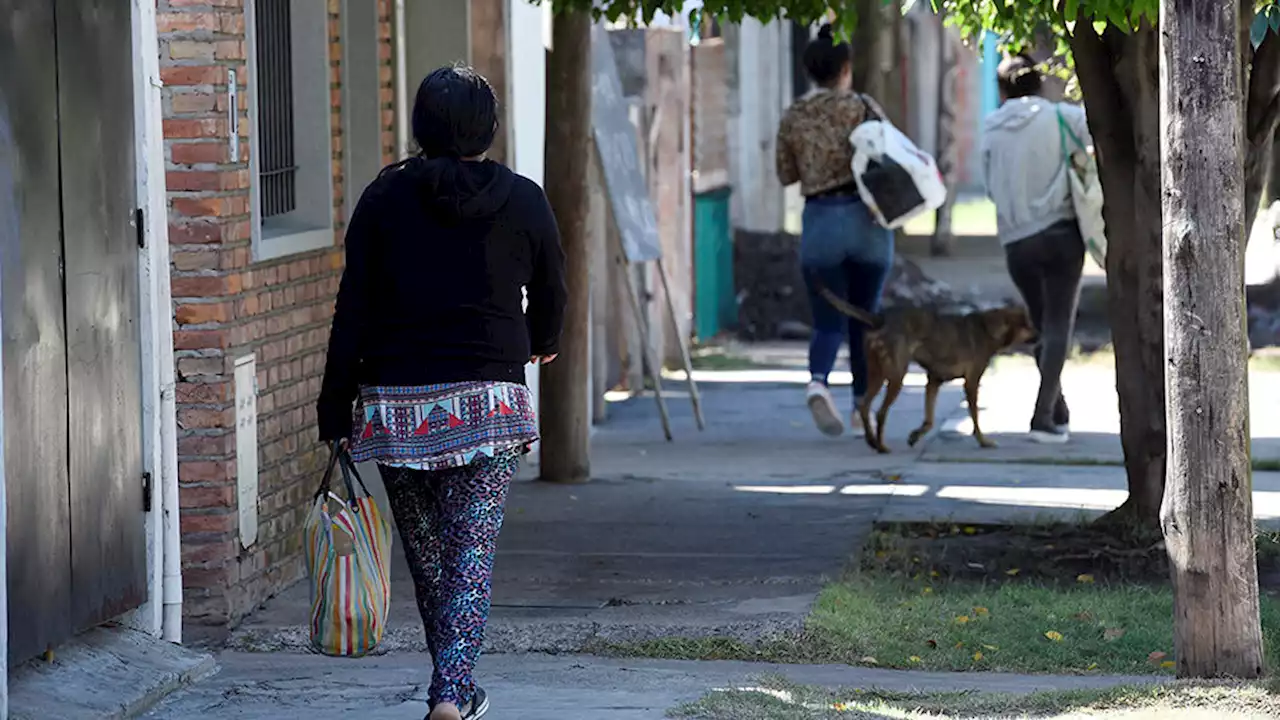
{"x":933,"y":573}
{"x":962,"y":619}
{"x":1054,"y":635}
{"x":1083,"y":616}
{"x":959,"y":644}
{"x":1155,"y":657}
{"x":927,"y":590}
{"x":1084,"y":579}
{"x":914,"y":659}
{"x":976,"y":566}
{"x":868,"y":660}
{"x":1012,"y":571}
{"x":981,"y":612}
{"x":977,"y":657}
{"x":931,"y":643}
{"x":1168,"y":664}
{"x":840,"y":707}
{"x":992,"y":648}
{"x":1112,"y":634}
{"x":1092,"y":666}
{"x":970,"y":530}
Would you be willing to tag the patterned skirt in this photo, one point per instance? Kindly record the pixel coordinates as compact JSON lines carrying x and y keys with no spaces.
{"x":437,"y":427}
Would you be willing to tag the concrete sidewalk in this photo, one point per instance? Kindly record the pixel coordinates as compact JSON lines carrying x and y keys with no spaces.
{"x":539,"y":687}
{"x":716,"y":533}
{"x":733,"y":531}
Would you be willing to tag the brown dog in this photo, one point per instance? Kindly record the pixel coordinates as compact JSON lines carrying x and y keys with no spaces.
{"x":948,"y":346}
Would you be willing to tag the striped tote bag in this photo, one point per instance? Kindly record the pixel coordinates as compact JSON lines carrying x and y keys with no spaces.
{"x":348,"y":548}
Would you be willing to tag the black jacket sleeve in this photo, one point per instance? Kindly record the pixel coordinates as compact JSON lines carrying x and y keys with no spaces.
{"x":547,"y":291}
{"x":341,"y":370}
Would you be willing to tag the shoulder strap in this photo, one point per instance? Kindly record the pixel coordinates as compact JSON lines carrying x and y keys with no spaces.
{"x":869,"y":104}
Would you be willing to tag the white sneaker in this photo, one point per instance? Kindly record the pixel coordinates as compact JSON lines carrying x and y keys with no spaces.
{"x":856,"y":427}
{"x":1046,"y":437}
{"x":823,"y":409}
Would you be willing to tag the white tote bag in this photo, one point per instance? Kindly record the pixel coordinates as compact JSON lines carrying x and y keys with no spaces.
{"x":1086,"y":192}
{"x":896,"y":179}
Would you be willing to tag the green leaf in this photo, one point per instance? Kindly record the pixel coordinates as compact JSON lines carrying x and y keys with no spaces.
{"x":1258,"y":29}
{"x":1273,"y":16}
{"x":1071,"y":10}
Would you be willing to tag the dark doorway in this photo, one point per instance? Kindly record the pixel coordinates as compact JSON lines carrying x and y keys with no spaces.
{"x":72,"y":366}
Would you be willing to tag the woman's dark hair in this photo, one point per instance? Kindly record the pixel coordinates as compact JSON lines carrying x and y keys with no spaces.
{"x":825,"y":59}
{"x":455,"y":114}
{"x":1018,"y":77}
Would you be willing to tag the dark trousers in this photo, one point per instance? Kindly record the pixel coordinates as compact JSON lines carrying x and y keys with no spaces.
{"x":1046,"y":267}
{"x":449,"y":522}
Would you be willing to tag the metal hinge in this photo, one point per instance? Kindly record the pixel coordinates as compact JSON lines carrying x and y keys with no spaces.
{"x":146,"y":492}
{"x":141,"y":229}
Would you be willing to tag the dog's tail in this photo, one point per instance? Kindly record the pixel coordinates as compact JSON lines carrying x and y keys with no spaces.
{"x":844,"y":307}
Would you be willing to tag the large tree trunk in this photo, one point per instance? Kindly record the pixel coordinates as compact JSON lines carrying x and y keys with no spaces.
{"x":1207,"y":516}
{"x":1119,"y":75}
{"x":565,"y":409}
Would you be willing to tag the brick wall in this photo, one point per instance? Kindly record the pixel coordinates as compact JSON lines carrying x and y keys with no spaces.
{"x":227,"y":306}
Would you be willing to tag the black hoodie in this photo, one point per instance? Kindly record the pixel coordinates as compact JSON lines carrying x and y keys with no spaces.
{"x":437,"y":254}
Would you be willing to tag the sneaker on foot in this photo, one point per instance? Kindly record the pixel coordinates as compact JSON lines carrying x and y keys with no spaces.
{"x":478,"y":706}
{"x":1049,"y":436}
{"x":823,"y":409}
{"x":856,"y":427}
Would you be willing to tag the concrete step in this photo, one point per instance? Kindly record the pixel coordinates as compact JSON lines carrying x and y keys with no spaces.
{"x":104,"y":674}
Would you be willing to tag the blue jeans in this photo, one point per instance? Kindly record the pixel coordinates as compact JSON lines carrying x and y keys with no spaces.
{"x":842,"y":247}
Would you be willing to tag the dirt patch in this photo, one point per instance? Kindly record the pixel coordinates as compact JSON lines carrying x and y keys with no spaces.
{"x":1050,"y":553}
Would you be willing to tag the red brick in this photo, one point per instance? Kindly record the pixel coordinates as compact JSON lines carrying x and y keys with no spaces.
{"x":193,"y":75}
{"x":215,"y":554}
{"x":191,"y":50}
{"x":195,"y":314}
{"x":205,"y":285}
{"x":205,"y":471}
{"x":203,"y":206}
{"x":193,"y":102}
{"x":197,"y":128}
{"x":195,"y":233}
{"x":188,"y":260}
{"x":198,"y":152}
{"x":205,"y":445}
{"x":229,"y":49}
{"x":200,"y":367}
{"x":185,"y":22}
{"x":222,"y":522}
{"x":201,"y":340}
{"x":204,"y":418}
{"x":231,"y":24}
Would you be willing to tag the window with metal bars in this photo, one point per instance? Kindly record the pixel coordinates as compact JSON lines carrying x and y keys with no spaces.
{"x":277,"y":167}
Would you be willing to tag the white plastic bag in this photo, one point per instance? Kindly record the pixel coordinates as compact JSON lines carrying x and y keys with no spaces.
{"x":896,"y":179}
{"x":1086,"y":192}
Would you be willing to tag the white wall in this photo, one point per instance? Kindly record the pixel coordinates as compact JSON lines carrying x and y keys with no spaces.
{"x":527,"y":40}
{"x":764,"y":88}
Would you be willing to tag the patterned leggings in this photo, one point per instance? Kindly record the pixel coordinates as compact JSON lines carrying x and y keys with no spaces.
{"x":449,"y":522}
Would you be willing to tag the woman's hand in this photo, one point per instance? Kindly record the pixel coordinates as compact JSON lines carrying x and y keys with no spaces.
{"x":542,"y":359}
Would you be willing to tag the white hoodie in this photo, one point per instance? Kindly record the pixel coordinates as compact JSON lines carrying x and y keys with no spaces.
{"x":1023,"y":164}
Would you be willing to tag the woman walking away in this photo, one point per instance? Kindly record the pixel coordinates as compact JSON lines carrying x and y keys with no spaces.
{"x":841,"y":246}
{"x":1024,"y":147}
{"x":425,"y":373}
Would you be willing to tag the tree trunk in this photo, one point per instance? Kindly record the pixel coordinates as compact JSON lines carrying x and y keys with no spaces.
{"x":565,"y":409}
{"x":868,"y":40}
{"x":1119,"y":74}
{"x":1207,"y":516}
